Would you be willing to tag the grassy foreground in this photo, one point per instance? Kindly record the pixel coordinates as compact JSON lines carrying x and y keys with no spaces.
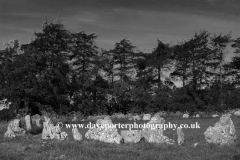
{"x":31,"y":147}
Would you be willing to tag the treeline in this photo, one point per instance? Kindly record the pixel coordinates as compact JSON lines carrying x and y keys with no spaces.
{"x":64,"y":71}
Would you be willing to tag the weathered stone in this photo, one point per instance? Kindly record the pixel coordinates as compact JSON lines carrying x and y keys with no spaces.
{"x":131,"y":136}
{"x":157,"y":120}
{"x":185,"y":115}
{"x":180,"y":135}
{"x":178,"y":113}
{"x":154,"y":131}
{"x":146,"y":117}
{"x":14,"y":129}
{"x":91,"y":118}
{"x":38,"y":123}
{"x":52,"y":132}
{"x":28,"y":122}
{"x":195,"y":144}
{"x":215,"y":115}
{"x":104,"y":131}
{"x":120,"y":116}
{"x":74,"y":118}
{"x":223,"y":131}
{"x":136,"y":118}
{"x":37,"y":120}
{"x":130,"y":118}
{"x":76,"y":135}
{"x":116,"y":116}
{"x":129,"y":115}
{"x":237,"y":113}
{"x":197,"y":115}
{"x":161,"y":114}
{"x":63,"y":136}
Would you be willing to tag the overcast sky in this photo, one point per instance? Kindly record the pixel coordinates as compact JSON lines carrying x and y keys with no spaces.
{"x":141,"y":21}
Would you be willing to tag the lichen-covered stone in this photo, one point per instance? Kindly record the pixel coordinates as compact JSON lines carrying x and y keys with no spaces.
{"x":136,"y":118}
{"x":116,"y":116}
{"x":131,"y":136}
{"x":37,"y":120}
{"x":222,"y":133}
{"x":215,"y":115}
{"x":197,"y":115}
{"x":237,"y":113}
{"x":180,"y":135}
{"x":63,"y":136}
{"x":74,"y":118}
{"x":28,"y":122}
{"x":52,"y":132}
{"x":185,"y":115}
{"x":153,"y":132}
{"x":130,"y":118}
{"x":178,"y":113}
{"x":104,"y":131}
{"x":76,"y":135}
{"x":14,"y":129}
{"x":161,"y":114}
{"x":146,"y":117}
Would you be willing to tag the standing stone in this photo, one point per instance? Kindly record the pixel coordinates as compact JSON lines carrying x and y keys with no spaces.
{"x":178,"y":113}
{"x":185,"y":115}
{"x":195,"y":144}
{"x":153,"y":132}
{"x":130,"y":118}
{"x":136,"y":118}
{"x":76,"y":135}
{"x":36,"y":120}
{"x":74,"y":118}
{"x":52,"y":132}
{"x":28,"y":122}
{"x":215,"y":115}
{"x":121,"y":116}
{"x":63,"y":135}
{"x":132,"y":136}
{"x":38,"y":123}
{"x":197,"y":116}
{"x":14,"y":129}
{"x":105,"y":132}
{"x":237,"y":113}
{"x":223,"y":131}
{"x":129,"y":115}
{"x":161,"y":114}
{"x":146,"y":117}
{"x":180,"y":135}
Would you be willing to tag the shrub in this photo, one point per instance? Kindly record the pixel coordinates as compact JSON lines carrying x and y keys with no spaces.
{"x":7,"y":114}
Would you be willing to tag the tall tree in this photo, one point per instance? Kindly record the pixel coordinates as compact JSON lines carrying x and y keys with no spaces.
{"x":235,"y":63}
{"x":52,"y":45}
{"x":219,"y":44}
{"x":123,"y":59}
{"x":107,"y":65}
{"x":84,"y":61}
{"x":144,"y":76}
{"x":84,"y":53}
{"x":182,"y":62}
{"x":161,"y":60}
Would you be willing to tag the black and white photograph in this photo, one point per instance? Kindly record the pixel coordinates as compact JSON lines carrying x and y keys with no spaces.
{"x":119,"y":79}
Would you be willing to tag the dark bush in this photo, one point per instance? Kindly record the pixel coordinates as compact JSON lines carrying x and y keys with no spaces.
{"x":7,"y":114}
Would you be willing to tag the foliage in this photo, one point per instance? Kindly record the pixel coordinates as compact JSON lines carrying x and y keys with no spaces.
{"x":61,"y":71}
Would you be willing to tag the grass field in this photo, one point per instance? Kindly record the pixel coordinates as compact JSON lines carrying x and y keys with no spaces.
{"x":31,"y":147}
